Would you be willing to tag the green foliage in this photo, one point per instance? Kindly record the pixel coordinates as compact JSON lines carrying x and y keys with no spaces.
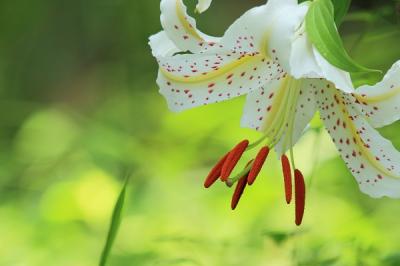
{"x":320,"y":26}
{"x":341,"y":8}
{"x":114,"y":225}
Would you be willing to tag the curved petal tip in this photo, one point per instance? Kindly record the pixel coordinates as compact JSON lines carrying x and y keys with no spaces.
{"x":202,"y":6}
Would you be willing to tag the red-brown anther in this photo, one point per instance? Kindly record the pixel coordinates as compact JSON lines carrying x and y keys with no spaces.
{"x":240,"y":186}
{"x":215,"y":173}
{"x":300,"y":195}
{"x":233,"y":158}
{"x":257,"y":165}
{"x":287,"y":178}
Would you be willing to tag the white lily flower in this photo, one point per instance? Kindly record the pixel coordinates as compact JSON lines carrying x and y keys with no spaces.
{"x":267,"y":55}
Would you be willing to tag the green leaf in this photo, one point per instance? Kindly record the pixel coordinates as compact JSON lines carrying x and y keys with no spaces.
{"x":341,"y":9}
{"x":114,"y":225}
{"x":321,"y":29}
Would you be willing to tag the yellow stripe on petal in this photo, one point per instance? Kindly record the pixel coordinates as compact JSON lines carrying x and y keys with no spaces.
{"x":359,"y":142}
{"x":278,"y":105}
{"x":185,"y":24}
{"x":209,"y":76}
{"x":282,"y":110}
{"x":380,"y":103}
{"x":378,"y":98}
{"x":371,"y":159}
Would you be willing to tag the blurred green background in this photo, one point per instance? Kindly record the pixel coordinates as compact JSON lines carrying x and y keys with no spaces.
{"x":79,"y":105}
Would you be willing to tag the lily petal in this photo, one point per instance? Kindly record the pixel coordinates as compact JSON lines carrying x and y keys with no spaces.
{"x":303,"y":63}
{"x":381,"y":103}
{"x":192,"y":80}
{"x":304,"y":112}
{"x":262,"y":105}
{"x":236,"y":65}
{"x":339,"y":78}
{"x":285,"y":20}
{"x":372,"y":159}
{"x":161,"y":45}
{"x":181,"y":28}
{"x":267,"y":29}
{"x":203,"y":5}
{"x":267,"y":110}
{"x":307,"y":62}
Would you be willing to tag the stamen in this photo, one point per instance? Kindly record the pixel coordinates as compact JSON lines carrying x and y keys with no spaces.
{"x":300,"y":195}
{"x":256,"y":143}
{"x":287,"y":178}
{"x":241,"y":185}
{"x":232,"y":180}
{"x":233,"y":158}
{"x":229,"y":183}
{"x":215,"y":173}
{"x":257,"y":165}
